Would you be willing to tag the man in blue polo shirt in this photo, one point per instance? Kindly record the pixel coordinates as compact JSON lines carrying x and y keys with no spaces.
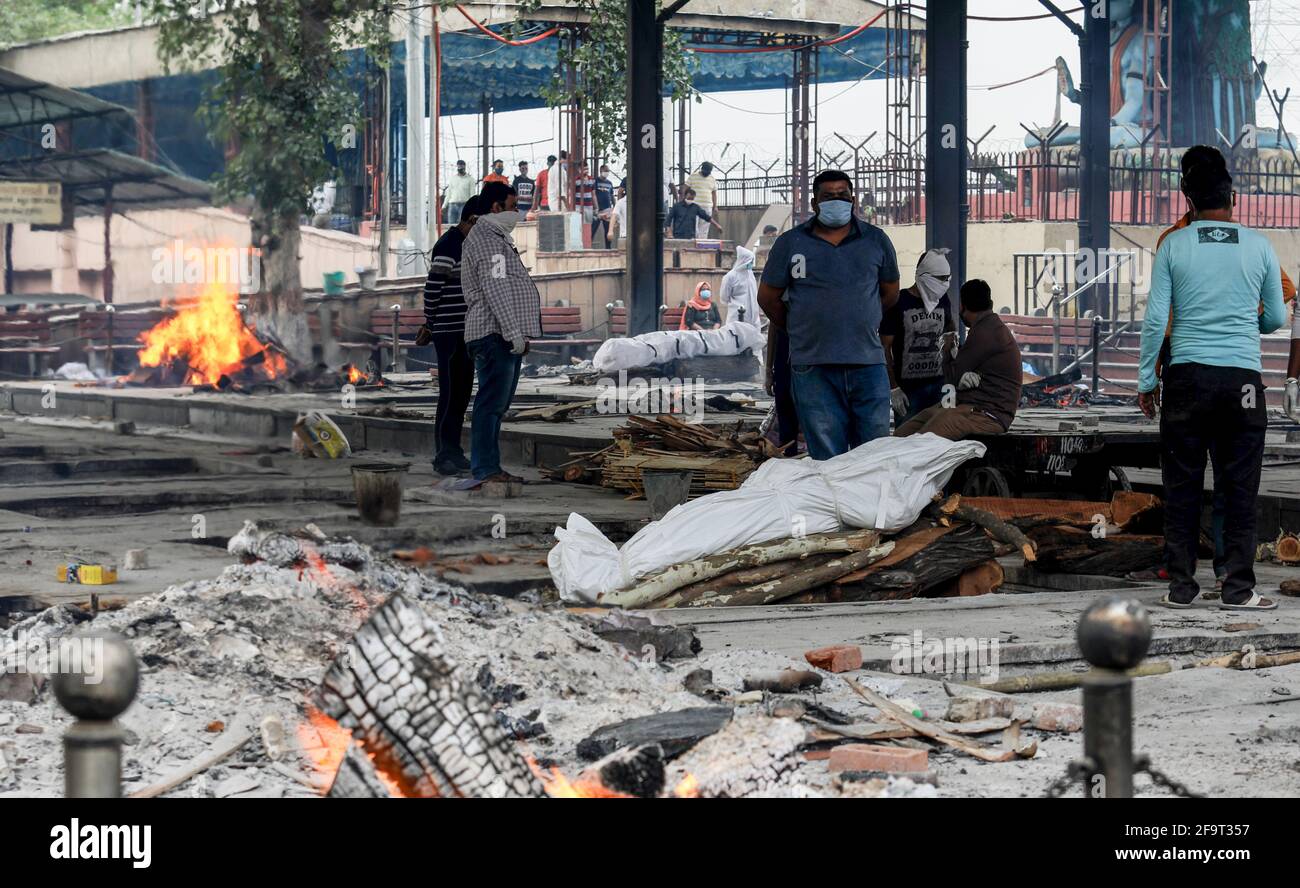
{"x":827,"y":283}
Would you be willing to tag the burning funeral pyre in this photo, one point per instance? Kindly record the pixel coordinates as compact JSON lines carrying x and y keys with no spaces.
{"x":269,"y":681}
{"x":208,"y":344}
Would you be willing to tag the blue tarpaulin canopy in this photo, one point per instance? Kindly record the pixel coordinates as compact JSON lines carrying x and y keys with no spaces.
{"x":513,"y":77}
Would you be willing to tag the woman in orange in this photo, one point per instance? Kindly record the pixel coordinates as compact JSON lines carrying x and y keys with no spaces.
{"x":701,"y":313}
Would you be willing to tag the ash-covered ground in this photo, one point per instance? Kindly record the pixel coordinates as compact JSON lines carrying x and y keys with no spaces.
{"x":244,"y":653}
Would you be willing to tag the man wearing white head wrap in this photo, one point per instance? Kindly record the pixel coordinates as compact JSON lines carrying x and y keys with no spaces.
{"x":912,"y":334}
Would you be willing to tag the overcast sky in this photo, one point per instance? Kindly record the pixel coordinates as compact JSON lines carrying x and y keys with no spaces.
{"x":753,"y":122}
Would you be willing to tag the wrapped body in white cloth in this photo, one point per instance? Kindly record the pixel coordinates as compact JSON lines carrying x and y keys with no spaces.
{"x":882,"y":485}
{"x":663,"y":346}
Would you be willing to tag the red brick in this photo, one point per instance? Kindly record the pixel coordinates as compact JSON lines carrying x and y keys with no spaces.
{"x":873,"y":757}
{"x":1066,"y":717}
{"x":836,"y":658}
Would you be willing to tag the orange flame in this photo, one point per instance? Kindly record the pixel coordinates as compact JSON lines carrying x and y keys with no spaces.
{"x":558,"y":786}
{"x":211,"y":337}
{"x":326,"y":742}
{"x":354,"y":375}
{"x":689,"y":788}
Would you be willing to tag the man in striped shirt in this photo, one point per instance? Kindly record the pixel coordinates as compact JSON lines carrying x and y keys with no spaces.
{"x":444,"y":318}
{"x":504,"y":312}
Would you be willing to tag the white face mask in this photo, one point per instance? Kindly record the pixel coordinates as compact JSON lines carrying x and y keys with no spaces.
{"x":505,"y":220}
{"x":931,"y":289}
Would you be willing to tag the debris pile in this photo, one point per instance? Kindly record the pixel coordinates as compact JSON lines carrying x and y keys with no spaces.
{"x":720,"y":458}
{"x":251,"y":687}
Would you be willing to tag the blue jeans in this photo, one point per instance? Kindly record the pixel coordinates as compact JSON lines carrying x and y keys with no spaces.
{"x":921,"y":396}
{"x":840,"y":405}
{"x":498,"y":374}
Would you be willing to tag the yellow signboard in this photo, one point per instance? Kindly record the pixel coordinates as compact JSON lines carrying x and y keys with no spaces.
{"x":33,"y":203}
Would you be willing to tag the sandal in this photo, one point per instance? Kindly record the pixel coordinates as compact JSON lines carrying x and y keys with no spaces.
{"x":1151,"y":575}
{"x":1177,"y":605}
{"x":1255,"y":602}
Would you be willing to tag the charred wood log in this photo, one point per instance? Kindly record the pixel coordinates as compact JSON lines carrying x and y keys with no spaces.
{"x":945,"y":559}
{"x":426,"y":725}
{"x":1071,"y":550}
{"x":954,"y":509}
{"x":357,"y":778}
{"x":674,"y":732}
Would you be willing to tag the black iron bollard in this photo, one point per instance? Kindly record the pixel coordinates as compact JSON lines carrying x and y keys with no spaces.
{"x":96,"y":681}
{"x":1113,"y":635}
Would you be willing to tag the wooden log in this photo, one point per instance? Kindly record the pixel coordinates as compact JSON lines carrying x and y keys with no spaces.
{"x":787,"y":681}
{"x":943,"y":560}
{"x":997,"y":528}
{"x":739,"y":579}
{"x":797,"y":580}
{"x":1257,"y":661}
{"x":1058,"y":681}
{"x":357,"y":778}
{"x":1071,"y":550}
{"x":426,"y":725}
{"x":651,"y":589}
{"x":981,"y":579}
{"x":1055,"y":511}
{"x":1287,"y":549}
{"x":1129,"y":509}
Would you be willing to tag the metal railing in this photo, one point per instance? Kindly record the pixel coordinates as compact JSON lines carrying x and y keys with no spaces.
{"x":1043,"y":185}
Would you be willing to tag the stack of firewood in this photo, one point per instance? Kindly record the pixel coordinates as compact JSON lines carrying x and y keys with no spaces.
{"x":950,"y":551}
{"x":1097,"y":538}
{"x":720,"y":457}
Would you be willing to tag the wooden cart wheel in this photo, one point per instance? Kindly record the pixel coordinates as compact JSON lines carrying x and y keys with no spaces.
{"x":1100,"y":483}
{"x":986,"y":481}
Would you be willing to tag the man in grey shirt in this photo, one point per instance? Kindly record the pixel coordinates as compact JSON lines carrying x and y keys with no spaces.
{"x":827,"y":283}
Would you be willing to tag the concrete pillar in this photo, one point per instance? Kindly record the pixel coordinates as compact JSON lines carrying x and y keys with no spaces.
{"x":645,"y":166}
{"x":946,"y":207}
{"x":1094,"y":159}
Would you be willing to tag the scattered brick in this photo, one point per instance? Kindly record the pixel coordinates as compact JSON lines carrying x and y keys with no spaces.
{"x":1066,"y":717}
{"x":836,"y":658}
{"x":873,"y":757}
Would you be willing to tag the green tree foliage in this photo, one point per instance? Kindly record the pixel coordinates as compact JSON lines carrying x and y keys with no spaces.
{"x":26,"y":21}
{"x":282,"y":93}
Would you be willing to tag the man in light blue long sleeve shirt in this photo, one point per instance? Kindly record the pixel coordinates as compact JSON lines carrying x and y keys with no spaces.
{"x":1214,"y":276}
{"x":1221,"y":285}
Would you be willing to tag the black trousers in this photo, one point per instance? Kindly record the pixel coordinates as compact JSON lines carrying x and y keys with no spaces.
{"x":1219,"y":413}
{"x":455,"y":381}
{"x":787,"y":417}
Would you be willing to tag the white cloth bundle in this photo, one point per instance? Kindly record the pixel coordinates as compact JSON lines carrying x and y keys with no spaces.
{"x":663,"y":346}
{"x":883,"y":485}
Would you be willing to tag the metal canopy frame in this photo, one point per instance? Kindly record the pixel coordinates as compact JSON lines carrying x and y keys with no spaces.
{"x":25,"y":102}
{"x":100,"y":176}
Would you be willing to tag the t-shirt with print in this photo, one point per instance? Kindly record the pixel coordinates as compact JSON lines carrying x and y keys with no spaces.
{"x":523,"y":187}
{"x":918,"y":339}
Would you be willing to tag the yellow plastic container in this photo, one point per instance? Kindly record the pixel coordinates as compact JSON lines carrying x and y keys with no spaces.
{"x":88,"y":574}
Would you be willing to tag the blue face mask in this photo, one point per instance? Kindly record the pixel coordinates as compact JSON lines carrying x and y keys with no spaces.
{"x":835,"y":213}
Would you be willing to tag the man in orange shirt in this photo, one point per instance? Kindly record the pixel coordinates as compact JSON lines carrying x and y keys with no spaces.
{"x":498,"y":173}
{"x":1193,"y":157}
